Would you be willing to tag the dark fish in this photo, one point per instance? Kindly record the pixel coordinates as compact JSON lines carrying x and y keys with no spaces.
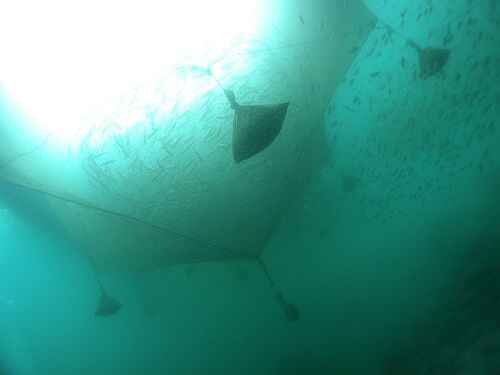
{"x":302,"y":20}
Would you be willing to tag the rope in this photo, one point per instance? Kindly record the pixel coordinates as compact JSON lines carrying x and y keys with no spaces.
{"x":125,"y":216}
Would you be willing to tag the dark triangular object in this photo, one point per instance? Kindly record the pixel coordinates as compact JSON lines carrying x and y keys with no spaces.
{"x":107,"y":305}
{"x":291,"y":312}
{"x":255,"y":127}
{"x":289,"y":309}
{"x":431,"y":60}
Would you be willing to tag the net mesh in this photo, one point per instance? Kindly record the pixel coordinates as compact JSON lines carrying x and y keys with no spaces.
{"x":151,"y":180}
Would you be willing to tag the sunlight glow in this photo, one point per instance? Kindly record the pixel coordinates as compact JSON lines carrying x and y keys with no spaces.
{"x":62,"y":59}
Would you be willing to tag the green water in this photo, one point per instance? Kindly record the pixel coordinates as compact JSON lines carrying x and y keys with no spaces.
{"x":392,"y":254}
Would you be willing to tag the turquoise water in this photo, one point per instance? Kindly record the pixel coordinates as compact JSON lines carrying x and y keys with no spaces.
{"x":391,"y":255}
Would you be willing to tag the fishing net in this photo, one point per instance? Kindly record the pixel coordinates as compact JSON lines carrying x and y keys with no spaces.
{"x":150,"y":180}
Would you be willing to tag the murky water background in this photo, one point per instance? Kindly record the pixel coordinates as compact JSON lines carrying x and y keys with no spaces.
{"x":392,"y":254}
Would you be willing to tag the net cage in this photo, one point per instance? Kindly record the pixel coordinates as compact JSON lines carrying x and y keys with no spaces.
{"x":151,"y":181}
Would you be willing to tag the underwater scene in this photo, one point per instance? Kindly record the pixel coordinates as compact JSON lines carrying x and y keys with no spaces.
{"x":250,"y":187}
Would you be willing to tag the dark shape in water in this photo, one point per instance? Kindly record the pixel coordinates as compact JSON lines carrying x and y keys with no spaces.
{"x":431,"y":60}
{"x":254,"y":126}
{"x":349,"y":183}
{"x":107,"y":305}
{"x":291,"y":311}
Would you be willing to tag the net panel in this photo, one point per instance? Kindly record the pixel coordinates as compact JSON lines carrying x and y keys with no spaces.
{"x":152,"y":181}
